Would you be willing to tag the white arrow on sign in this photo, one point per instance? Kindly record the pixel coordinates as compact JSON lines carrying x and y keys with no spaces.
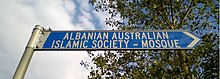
{"x":195,"y":39}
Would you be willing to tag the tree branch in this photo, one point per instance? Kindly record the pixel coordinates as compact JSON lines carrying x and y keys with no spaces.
{"x":187,"y":12}
{"x":172,"y":13}
{"x":167,"y":21}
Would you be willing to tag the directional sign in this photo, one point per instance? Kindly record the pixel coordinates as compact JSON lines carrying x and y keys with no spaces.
{"x":116,"y":40}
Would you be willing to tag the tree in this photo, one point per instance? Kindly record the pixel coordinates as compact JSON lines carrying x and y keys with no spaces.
{"x":197,"y":16}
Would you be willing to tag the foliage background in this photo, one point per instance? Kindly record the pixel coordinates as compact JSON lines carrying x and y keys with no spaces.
{"x":201,"y":17}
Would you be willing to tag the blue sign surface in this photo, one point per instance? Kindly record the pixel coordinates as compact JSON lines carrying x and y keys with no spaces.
{"x":116,"y":40}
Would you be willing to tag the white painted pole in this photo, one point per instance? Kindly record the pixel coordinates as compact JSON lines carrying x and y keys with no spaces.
{"x":28,"y":53}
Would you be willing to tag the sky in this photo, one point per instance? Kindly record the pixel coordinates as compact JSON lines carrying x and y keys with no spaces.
{"x":17,"y":20}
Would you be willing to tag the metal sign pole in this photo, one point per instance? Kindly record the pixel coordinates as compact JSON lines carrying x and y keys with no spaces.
{"x":28,"y":53}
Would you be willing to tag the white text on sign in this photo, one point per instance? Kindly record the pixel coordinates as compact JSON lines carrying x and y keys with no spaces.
{"x":115,"y":40}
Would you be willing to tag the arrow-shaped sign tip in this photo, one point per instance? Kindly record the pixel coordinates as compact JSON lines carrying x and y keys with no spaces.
{"x":195,"y":40}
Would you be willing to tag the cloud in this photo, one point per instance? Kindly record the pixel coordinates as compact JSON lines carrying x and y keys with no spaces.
{"x":57,"y":65}
{"x":18,"y":18}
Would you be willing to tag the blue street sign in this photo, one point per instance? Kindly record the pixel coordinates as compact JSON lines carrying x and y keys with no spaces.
{"x":117,"y":40}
